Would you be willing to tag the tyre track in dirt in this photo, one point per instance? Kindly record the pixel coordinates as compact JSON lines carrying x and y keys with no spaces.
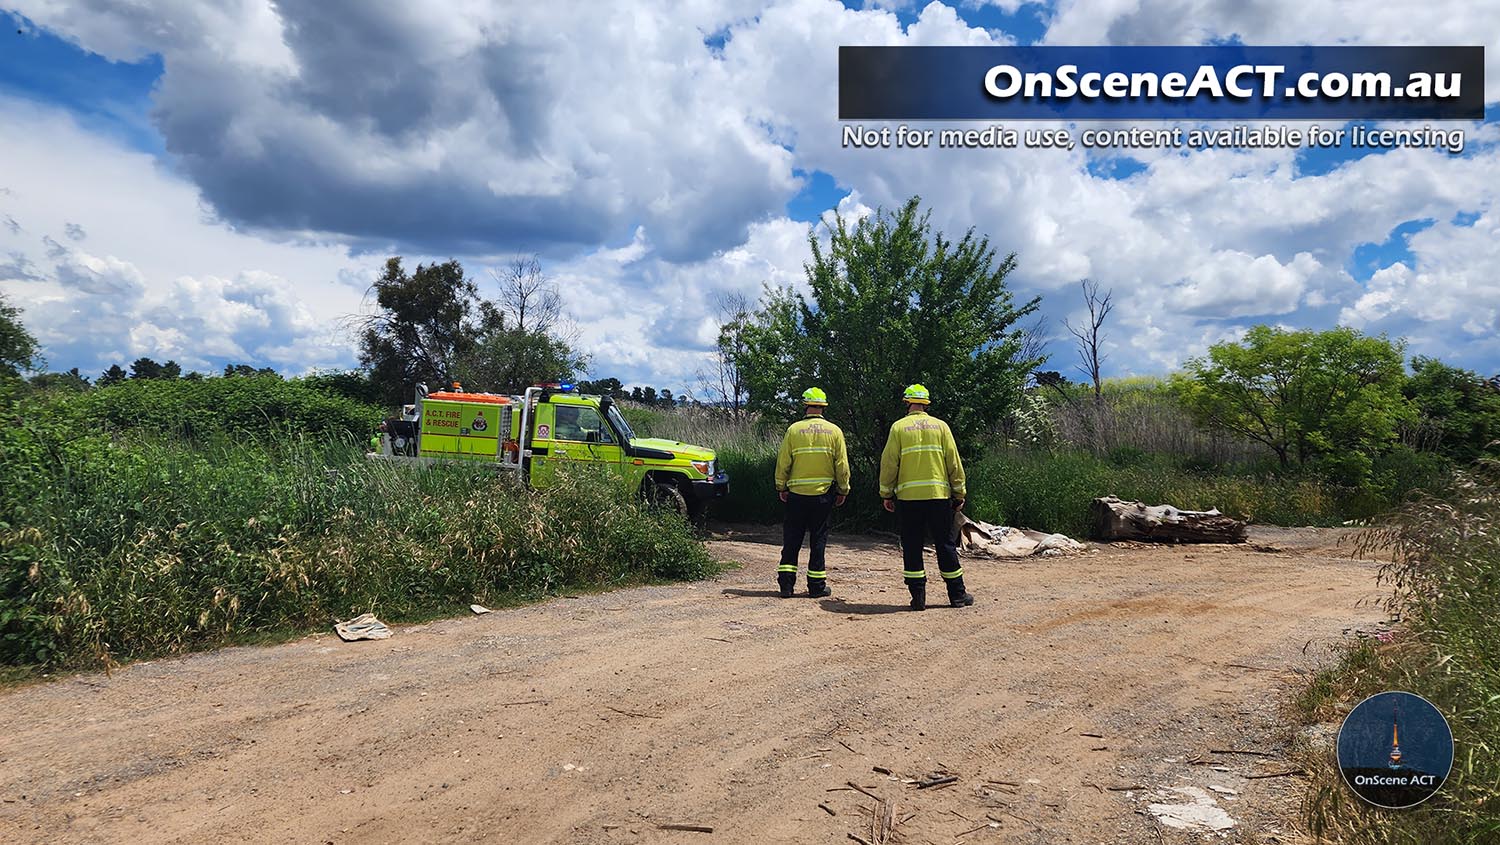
{"x":593,"y":719}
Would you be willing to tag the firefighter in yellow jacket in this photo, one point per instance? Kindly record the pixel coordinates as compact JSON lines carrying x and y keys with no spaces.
{"x":922,"y":482}
{"x":812,"y":478}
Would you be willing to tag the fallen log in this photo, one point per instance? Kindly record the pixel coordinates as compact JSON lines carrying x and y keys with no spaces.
{"x":1116,"y":519}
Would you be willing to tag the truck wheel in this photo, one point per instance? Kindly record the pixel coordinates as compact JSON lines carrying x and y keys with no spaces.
{"x":697,"y":513}
{"x":667,"y":495}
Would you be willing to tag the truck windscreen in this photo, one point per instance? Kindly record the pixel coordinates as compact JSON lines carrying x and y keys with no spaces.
{"x":622,"y":428}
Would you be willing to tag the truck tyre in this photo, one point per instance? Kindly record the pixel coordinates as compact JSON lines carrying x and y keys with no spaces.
{"x":667,"y":495}
{"x":697,"y":513}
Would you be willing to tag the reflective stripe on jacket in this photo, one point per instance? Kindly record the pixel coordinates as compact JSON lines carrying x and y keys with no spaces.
{"x":813,"y":458}
{"x":921,"y":460}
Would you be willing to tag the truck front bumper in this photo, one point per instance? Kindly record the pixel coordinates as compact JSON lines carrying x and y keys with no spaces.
{"x":711,"y":488}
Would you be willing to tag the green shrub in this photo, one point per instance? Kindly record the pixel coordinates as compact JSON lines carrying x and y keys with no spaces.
{"x":209,"y":408}
{"x":126,"y":547}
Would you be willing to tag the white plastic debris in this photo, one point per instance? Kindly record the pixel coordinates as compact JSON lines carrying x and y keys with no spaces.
{"x":362,"y":627}
{"x":479,"y":609}
{"x":1201,"y":814}
{"x":999,"y":541}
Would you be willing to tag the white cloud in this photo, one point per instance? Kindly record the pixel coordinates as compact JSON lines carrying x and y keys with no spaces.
{"x":1450,"y":282}
{"x":652,"y":172}
{"x":153,"y":276}
{"x":452,"y":126}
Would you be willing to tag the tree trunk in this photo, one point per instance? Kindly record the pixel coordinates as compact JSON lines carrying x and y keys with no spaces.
{"x":1115,"y":519}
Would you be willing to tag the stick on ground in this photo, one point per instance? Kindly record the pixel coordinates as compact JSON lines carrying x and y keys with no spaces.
{"x":1276,"y":774}
{"x":628,"y":713}
{"x":942,"y":781}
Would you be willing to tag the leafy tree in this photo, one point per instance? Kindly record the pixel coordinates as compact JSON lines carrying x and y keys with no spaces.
{"x":114,"y":375}
{"x":171,"y":370}
{"x":426,"y":320}
{"x":722,"y":379}
{"x":71,"y":380}
{"x":1459,"y":411}
{"x":666,"y":398}
{"x":636,"y":395}
{"x":603,"y":387}
{"x":247,"y":371}
{"x":18,"y":348}
{"x":509,"y":360}
{"x":145,"y":368}
{"x":891,"y":303}
{"x":1332,"y":398}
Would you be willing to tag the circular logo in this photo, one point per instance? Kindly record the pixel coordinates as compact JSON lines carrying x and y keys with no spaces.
{"x":479,"y":423}
{"x":1395,"y":749}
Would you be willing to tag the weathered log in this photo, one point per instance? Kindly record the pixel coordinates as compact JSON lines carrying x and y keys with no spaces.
{"x":1115,"y":519}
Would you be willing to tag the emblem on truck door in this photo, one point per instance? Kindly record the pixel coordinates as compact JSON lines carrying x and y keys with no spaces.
{"x":479,"y":423}
{"x":544,"y":432}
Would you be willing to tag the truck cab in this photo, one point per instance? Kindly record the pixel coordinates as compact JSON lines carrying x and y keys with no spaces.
{"x":548,"y":427}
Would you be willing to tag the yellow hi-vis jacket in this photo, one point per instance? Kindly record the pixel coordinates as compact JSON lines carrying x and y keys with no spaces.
{"x":921,"y":461}
{"x":813,"y":458}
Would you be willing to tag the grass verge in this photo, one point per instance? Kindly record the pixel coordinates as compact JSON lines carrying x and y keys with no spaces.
{"x":125,"y":546}
{"x":1444,"y":549}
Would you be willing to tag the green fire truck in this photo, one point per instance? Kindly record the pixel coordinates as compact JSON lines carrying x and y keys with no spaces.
{"x":550,"y":426}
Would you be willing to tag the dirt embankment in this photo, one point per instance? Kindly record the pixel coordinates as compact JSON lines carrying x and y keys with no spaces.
{"x":1076,"y":693}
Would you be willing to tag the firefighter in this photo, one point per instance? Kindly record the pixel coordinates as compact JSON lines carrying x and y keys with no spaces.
{"x":812,"y":478}
{"x":922,"y":482}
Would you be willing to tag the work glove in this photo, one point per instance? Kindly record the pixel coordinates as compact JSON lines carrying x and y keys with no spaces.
{"x":890,"y":505}
{"x":781,"y":495}
{"x":958,"y":504}
{"x":839,"y":499}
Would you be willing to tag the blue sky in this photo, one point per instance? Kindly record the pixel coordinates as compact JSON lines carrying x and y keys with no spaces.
{"x":217,"y":184}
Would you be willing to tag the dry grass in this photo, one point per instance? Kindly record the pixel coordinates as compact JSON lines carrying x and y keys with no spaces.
{"x":1444,"y":570}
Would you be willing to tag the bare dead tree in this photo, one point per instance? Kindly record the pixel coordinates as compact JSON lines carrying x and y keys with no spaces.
{"x":1033,"y":342}
{"x":721,"y":380}
{"x":528,"y":300}
{"x":1090,"y":337}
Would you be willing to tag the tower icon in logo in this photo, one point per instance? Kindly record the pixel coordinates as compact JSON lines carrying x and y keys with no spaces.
{"x":1395,"y":749}
{"x":1395,"y":737}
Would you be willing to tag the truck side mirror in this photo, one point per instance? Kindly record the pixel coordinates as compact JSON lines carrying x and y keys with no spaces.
{"x":591,"y":436}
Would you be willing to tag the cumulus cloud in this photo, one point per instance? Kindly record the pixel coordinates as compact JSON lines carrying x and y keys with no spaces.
{"x":651,"y":171}
{"x":1450,"y":281}
{"x":451,"y":126}
{"x":153,"y":278}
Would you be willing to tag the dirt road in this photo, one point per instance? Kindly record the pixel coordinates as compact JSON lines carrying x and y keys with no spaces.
{"x":1069,"y":686}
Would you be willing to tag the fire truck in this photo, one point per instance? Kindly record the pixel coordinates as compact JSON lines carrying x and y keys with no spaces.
{"x":532,"y":435}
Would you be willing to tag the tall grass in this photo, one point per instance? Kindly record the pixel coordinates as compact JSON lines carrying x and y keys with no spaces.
{"x":1445,"y":573}
{"x":131,"y":545}
{"x":1049,"y":490}
{"x":1141,"y":414}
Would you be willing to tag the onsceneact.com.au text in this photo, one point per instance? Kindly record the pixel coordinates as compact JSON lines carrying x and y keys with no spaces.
{"x":1240,"y":81}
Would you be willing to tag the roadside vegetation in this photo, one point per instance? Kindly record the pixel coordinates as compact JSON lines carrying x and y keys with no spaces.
{"x":1443,"y":552}
{"x":155,"y":517}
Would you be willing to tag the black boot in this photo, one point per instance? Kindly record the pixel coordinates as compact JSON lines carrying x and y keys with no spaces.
{"x":817,"y":588}
{"x":957,"y":595}
{"x":787,"y":581}
{"x":918,"y":596}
